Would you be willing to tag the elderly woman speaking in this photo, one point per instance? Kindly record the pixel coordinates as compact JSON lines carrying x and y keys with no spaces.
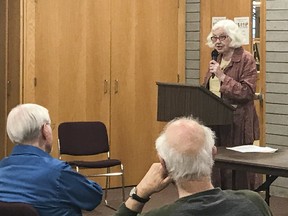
{"x":232,"y":76}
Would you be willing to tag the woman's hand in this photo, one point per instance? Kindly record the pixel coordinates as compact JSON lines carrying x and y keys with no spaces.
{"x":214,"y":68}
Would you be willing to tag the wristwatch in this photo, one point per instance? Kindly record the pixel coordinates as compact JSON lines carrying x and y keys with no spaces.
{"x":133,"y":195}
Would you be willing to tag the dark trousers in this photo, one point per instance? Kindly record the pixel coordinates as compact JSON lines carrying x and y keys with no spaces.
{"x":223,"y":177}
{"x":243,"y":180}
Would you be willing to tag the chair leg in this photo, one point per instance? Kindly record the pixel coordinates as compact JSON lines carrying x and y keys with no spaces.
{"x":106,"y":191}
{"x":108,"y":187}
{"x":123,"y":185}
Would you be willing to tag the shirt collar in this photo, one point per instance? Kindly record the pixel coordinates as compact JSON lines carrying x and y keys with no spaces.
{"x":28,"y":149}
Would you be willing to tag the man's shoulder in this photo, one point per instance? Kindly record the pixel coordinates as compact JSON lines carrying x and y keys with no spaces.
{"x":246,"y":193}
{"x":254,"y":198}
{"x":54,"y":163}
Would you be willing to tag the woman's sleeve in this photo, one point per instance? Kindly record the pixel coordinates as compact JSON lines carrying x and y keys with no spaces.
{"x":244,"y":89}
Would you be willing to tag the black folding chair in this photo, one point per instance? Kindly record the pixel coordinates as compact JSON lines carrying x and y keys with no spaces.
{"x":86,"y":139}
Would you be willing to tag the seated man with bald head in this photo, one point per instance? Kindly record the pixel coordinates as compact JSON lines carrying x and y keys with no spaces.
{"x":186,"y":149}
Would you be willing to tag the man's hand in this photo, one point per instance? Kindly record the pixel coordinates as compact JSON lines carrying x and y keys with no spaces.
{"x":155,"y":180}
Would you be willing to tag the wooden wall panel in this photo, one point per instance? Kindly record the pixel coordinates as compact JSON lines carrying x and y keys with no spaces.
{"x":10,"y":64}
{"x":29,"y":51}
{"x":262,"y":77}
{"x":3,"y":74}
{"x":12,"y":75}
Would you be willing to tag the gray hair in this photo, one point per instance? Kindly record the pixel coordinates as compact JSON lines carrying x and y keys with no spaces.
{"x":187,"y":166}
{"x":25,"y":121}
{"x":231,"y":29}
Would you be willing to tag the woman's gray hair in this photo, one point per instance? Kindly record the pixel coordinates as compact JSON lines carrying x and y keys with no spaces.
{"x":25,"y":121}
{"x":231,"y":29}
{"x":187,"y":166}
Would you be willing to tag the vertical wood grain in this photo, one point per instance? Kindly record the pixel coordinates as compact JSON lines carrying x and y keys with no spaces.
{"x":144,"y":50}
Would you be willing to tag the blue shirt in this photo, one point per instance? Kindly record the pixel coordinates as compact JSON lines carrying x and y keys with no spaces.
{"x":31,"y":175}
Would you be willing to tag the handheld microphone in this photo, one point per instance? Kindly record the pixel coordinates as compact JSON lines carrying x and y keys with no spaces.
{"x":214,"y":56}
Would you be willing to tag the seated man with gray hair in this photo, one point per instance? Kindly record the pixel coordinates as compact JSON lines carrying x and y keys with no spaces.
{"x":30,"y":175}
{"x":186,"y":149}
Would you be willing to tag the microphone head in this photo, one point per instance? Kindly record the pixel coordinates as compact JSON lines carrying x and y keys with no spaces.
{"x":214,"y":54}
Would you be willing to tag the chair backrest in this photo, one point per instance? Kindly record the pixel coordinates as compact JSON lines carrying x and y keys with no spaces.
{"x":82,"y":138}
{"x":17,"y":209}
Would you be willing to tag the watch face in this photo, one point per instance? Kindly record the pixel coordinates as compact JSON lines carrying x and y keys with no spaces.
{"x":133,"y":195}
{"x":133,"y":191}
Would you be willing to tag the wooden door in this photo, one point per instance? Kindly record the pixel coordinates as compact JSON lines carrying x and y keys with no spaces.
{"x":144,"y":48}
{"x":72,"y":60}
{"x":261,"y":108}
{"x":3,"y":75}
{"x":10,"y":66}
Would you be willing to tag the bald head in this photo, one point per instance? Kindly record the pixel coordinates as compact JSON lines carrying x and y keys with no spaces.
{"x":185,"y":136}
{"x":186,"y":147}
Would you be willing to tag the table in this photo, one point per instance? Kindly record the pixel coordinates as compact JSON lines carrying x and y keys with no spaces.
{"x":271,"y":164}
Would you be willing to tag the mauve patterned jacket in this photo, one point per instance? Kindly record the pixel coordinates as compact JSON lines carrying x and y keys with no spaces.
{"x":238,"y":89}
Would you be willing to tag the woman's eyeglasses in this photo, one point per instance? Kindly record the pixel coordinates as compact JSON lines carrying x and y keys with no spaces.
{"x":221,"y":38}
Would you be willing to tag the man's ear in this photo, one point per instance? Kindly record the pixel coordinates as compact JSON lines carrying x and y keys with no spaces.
{"x":163,"y":164}
{"x":44,"y":131}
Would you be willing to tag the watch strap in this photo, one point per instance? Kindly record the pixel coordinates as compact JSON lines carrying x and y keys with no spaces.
{"x":139,"y":199}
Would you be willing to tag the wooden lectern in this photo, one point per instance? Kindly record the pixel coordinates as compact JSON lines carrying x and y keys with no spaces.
{"x":176,"y":100}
